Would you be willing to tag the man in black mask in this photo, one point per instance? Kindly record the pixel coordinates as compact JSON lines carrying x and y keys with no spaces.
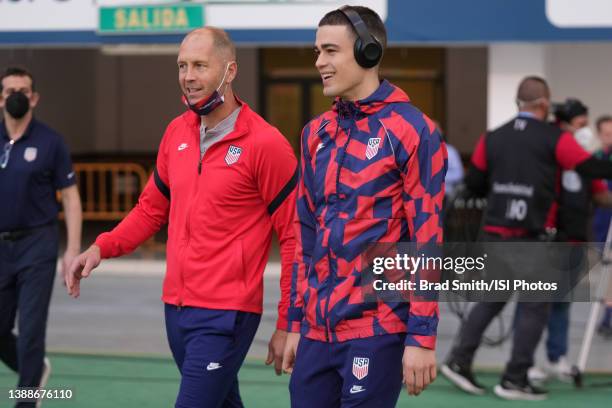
{"x":34,"y":165}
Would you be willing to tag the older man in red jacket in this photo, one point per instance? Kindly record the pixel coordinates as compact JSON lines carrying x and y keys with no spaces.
{"x":224,"y":180}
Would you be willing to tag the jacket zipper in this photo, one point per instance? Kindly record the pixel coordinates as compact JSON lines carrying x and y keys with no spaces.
{"x":190,"y":211}
{"x":188,"y":223}
{"x":188,"y":219}
{"x":332,"y":277}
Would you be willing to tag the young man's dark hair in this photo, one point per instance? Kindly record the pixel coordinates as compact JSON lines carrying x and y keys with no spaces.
{"x":16,"y":71}
{"x":372,"y":21}
{"x":601,"y":120}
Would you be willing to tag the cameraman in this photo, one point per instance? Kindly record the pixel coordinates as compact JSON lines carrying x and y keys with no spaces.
{"x":517,"y":165}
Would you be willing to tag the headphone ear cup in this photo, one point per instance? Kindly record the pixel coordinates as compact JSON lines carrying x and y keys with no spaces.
{"x":357,"y":50}
{"x":369,"y":54}
{"x":373,"y":52}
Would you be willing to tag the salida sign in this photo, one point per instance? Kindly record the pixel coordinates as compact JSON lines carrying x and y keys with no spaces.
{"x":150,"y":19}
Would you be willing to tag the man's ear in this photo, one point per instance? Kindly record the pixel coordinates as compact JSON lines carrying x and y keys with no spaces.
{"x":232,"y":71}
{"x":34,"y":99}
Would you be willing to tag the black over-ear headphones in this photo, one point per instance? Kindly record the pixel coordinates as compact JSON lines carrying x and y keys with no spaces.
{"x":367,"y":50}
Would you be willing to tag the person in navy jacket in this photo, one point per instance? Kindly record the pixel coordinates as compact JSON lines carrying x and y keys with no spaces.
{"x":34,"y":165}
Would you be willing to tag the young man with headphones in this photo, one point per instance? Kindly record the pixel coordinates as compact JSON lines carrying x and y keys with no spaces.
{"x":372,"y":170}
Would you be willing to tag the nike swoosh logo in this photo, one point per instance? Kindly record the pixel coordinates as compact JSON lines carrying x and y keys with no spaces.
{"x":356,"y":390}
{"x":213,"y":366}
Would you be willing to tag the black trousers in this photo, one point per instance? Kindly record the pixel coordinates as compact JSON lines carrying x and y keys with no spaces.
{"x":528,"y":329}
{"x":27,"y":273}
{"x":527,"y":332}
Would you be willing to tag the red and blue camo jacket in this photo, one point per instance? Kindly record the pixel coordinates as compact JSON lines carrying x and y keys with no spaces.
{"x":372,"y":171}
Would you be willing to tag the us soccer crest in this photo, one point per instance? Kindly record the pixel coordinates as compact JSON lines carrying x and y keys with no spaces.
{"x":30,"y":154}
{"x":373,"y":145}
{"x":233,"y":154}
{"x":360,"y":366}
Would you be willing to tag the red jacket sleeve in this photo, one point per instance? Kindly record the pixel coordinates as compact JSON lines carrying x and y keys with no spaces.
{"x":479,"y":157}
{"x":569,"y":153}
{"x":146,"y":218}
{"x":598,"y":186}
{"x":276,"y":172}
{"x":424,"y":189}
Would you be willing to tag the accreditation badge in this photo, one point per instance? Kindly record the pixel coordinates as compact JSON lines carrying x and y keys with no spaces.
{"x":30,"y":154}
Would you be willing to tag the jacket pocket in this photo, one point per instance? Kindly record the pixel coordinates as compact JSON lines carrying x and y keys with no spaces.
{"x":238,"y":262}
{"x":352,"y":312}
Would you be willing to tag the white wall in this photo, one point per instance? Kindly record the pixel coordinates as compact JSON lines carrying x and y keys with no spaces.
{"x":581,"y":70}
{"x":508,"y":64}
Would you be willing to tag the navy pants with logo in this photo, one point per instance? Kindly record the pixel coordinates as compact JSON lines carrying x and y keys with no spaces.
{"x":363,"y":372}
{"x":27,"y":273}
{"x":209,"y":346}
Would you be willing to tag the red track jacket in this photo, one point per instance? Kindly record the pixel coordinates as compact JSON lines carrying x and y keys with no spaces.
{"x":220,"y":214}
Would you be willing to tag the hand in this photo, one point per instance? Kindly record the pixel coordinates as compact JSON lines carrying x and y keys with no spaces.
{"x":80,"y":268}
{"x":290,"y":351}
{"x":67,"y":259}
{"x":276,"y":346}
{"x":419,"y":368}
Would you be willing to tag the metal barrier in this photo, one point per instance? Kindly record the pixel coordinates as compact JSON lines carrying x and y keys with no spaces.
{"x":109,"y":190}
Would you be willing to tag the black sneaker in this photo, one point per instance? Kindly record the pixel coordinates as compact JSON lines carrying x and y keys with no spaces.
{"x":523,"y":391}
{"x":462,"y":377}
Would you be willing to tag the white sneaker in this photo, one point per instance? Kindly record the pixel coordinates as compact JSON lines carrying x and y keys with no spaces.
{"x":537,"y":374}
{"x":44,"y":378}
{"x":561,"y":370}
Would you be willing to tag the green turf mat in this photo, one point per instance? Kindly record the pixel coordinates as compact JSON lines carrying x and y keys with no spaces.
{"x":122,"y":381}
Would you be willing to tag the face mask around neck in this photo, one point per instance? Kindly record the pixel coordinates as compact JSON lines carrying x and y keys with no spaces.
{"x":212,"y":102}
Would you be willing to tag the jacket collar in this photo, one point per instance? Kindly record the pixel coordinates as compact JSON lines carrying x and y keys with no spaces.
{"x":240,"y":128}
{"x":385,"y":94}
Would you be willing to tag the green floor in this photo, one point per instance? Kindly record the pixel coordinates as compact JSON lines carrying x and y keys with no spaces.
{"x":114,"y":381}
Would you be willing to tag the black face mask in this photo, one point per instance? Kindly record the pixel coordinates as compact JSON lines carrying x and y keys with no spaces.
{"x":17,"y":105}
